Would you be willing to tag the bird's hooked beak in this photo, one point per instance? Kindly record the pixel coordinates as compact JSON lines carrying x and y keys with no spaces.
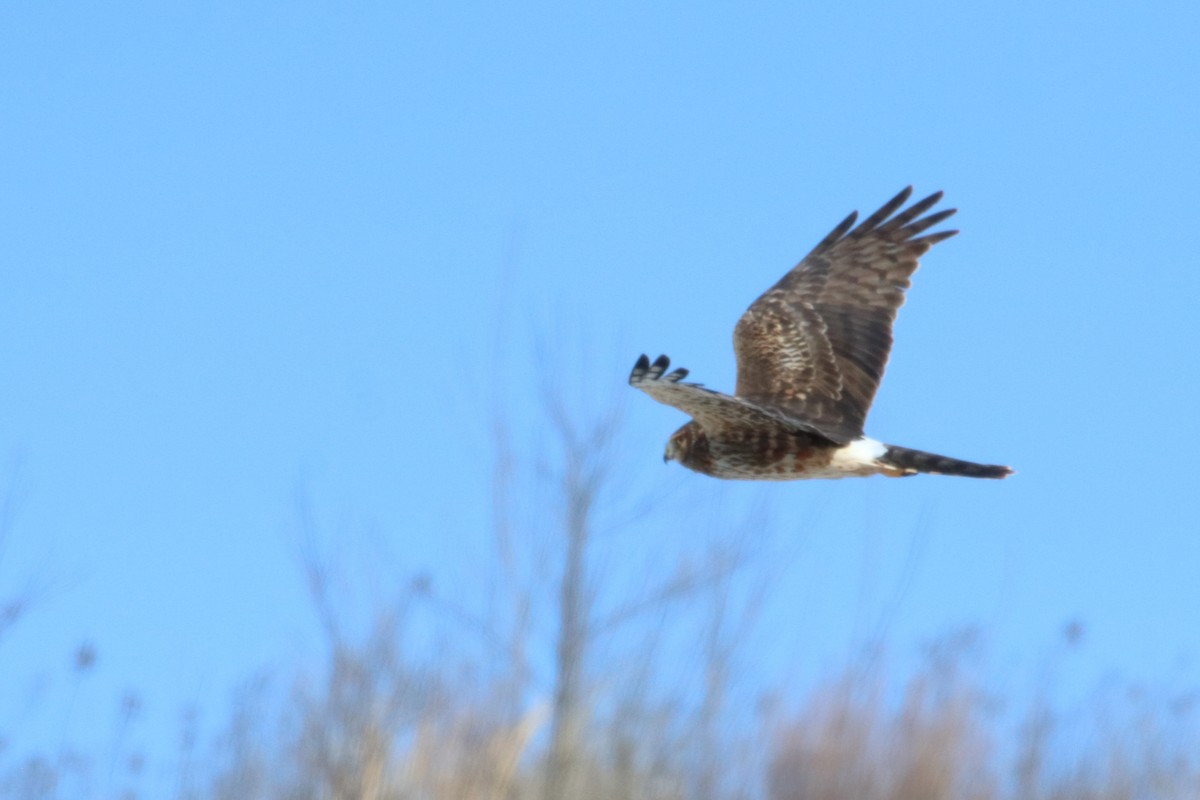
{"x":672,"y":451}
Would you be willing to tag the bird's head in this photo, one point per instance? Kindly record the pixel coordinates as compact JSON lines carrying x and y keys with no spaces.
{"x":685,"y":444}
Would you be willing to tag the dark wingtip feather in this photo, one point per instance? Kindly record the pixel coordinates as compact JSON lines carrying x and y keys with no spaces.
{"x":643,"y":370}
{"x":838,"y":232}
{"x":912,"y":213}
{"x":932,"y":200}
{"x":886,"y":210}
{"x":640,"y":368}
{"x":933,"y":238}
{"x":658,"y":368}
{"x":928,"y":222}
{"x":678,"y":375}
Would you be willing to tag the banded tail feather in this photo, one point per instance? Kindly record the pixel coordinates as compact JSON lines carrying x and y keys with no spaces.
{"x":913,"y":461}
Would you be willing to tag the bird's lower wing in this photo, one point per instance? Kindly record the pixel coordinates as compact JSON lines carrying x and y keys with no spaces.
{"x":713,"y":410}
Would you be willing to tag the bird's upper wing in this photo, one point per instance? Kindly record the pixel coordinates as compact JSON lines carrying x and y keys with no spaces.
{"x":814,"y":346}
{"x":713,"y":410}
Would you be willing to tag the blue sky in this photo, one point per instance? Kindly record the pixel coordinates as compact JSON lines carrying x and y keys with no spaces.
{"x":248,"y":249}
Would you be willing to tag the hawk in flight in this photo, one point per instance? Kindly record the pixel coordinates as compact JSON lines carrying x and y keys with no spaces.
{"x":810,"y":355}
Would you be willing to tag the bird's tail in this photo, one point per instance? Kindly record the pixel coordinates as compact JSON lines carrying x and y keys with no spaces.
{"x":910,"y":462}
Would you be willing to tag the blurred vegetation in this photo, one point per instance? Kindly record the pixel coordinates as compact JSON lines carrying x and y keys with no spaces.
{"x":530,"y":700}
{"x":377,"y":724}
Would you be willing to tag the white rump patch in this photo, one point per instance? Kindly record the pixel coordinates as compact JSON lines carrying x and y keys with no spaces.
{"x":858,"y":454}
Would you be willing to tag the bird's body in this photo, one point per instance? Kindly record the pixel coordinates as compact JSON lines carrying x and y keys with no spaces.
{"x":811,"y":352}
{"x":766,"y":454}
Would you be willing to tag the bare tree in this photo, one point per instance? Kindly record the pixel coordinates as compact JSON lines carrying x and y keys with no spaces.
{"x":585,"y":477}
{"x":586,"y":460}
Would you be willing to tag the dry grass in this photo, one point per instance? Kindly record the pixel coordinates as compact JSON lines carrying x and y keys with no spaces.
{"x":847,"y":743}
{"x":375,"y":730}
{"x":939,"y":741}
{"x":376,"y":726}
{"x":469,"y":757}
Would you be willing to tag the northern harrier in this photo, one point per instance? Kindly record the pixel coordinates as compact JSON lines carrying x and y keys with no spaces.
{"x":810,"y":355}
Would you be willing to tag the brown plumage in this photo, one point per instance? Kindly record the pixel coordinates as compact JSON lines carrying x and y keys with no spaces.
{"x":811,"y":352}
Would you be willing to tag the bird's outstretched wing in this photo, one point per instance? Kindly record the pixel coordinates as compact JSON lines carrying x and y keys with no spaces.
{"x":815,"y":345}
{"x":713,"y":410}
